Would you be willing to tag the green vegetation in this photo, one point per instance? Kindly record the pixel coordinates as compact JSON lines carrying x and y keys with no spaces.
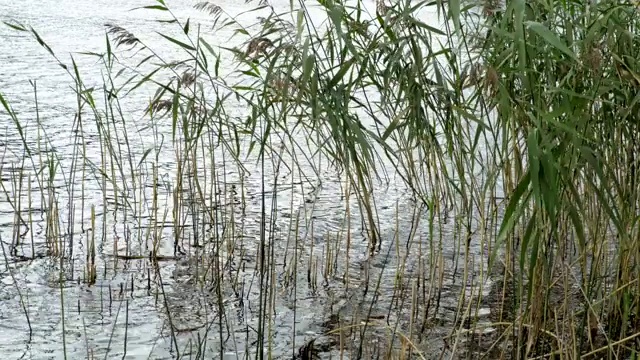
{"x":513,"y":128}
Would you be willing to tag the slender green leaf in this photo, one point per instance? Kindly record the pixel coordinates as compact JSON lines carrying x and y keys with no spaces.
{"x":551,"y":38}
{"x":16,"y":122}
{"x":152,"y":7}
{"x":340,"y":74}
{"x":307,"y":68}
{"x":144,"y":80}
{"x":428,"y":27}
{"x":517,"y":204}
{"x":454,"y":11}
{"x":526,"y":239}
{"x":144,"y":156}
{"x":15,"y":26}
{"x":177,"y":42}
{"x":335,"y":14}
{"x":395,"y":123}
{"x":186,"y":27}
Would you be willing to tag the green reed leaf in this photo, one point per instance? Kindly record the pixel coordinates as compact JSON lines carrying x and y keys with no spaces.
{"x":186,"y":27}
{"x":550,"y":37}
{"x":177,"y":42}
{"x":15,"y":26}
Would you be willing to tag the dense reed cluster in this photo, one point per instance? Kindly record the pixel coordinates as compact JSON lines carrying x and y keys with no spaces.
{"x":263,"y":169}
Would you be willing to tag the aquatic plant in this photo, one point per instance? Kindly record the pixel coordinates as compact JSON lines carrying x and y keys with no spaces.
{"x":512,"y":127}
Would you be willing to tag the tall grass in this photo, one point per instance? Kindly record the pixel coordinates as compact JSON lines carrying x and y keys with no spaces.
{"x":511,"y":126}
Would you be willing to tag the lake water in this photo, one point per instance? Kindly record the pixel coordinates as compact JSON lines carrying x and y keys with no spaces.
{"x":143,"y":309}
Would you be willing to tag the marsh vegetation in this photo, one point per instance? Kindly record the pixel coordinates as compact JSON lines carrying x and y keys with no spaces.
{"x":332,"y":179}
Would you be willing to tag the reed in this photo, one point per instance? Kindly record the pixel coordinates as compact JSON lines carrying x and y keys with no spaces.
{"x":468,"y":184}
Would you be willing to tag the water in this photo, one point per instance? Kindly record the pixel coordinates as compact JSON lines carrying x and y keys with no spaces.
{"x":140,"y":308}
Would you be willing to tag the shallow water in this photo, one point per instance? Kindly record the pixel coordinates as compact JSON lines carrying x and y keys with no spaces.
{"x":138,"y":308}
